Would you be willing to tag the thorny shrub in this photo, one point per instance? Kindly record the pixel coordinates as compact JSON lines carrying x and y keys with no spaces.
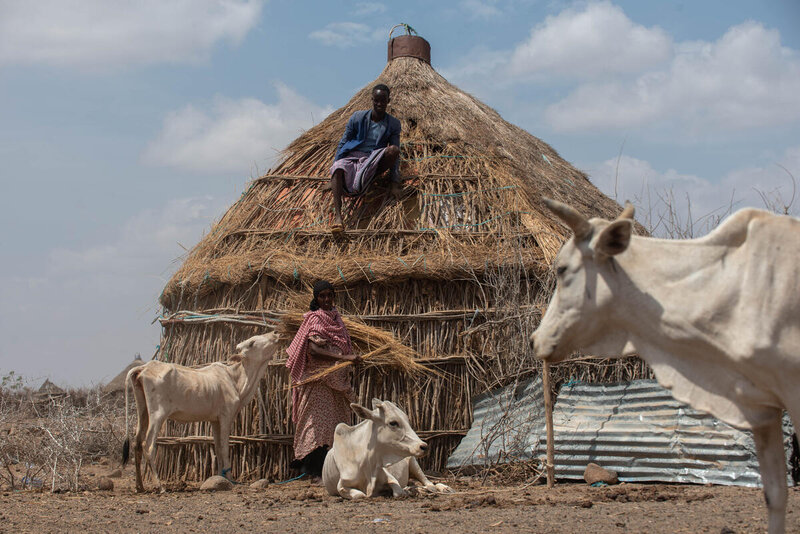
{"x":46,"y":440}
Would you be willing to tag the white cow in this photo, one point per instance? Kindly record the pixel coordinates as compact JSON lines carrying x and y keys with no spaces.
{"x":378,"y":454}
{"x":214,"y":393}
{"x":717,"y":318}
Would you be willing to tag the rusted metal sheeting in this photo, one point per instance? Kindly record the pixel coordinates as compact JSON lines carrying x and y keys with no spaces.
{"x":635,"y":428}
{"x":506,"y":427}
{"x":409,"y":46}
{"x":639,"y":430}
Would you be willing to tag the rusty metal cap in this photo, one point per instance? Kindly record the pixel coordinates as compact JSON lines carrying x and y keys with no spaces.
{"x":409,"y":46}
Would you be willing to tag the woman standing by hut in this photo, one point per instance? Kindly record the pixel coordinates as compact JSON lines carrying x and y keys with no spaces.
{"x":318,"y":406}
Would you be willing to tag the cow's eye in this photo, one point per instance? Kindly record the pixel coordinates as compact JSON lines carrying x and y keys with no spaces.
{"x":394,"y":424}
{"x":561,"y":270}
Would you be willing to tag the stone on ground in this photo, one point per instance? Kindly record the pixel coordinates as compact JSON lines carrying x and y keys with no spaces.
{"x":260,"y":484}
{"x":217,"y":483}
{"x":105,"y":484}
{"x":595,"y":473}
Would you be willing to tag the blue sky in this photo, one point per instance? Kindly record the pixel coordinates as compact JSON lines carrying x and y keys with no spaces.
{"x":126,"y":128}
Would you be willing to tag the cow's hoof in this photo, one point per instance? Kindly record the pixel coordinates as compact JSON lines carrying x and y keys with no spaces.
{"x":444,"y":488}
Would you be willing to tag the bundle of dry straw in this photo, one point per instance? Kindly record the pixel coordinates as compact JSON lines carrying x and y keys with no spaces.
{"x":378,"y":347}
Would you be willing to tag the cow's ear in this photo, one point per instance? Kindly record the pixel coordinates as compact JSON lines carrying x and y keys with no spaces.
{"x":613,"y":239}
{"x":362,"y":412}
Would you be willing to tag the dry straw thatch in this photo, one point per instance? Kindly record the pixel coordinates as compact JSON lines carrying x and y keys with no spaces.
{"x":452,"y":276}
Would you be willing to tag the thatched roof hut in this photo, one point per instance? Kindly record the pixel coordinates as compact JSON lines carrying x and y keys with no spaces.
{"x":117,"y":384}
{"x":48,"y":391}
{"x":455,"y":273}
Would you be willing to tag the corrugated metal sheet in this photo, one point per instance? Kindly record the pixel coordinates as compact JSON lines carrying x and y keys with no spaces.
{"x":506,"y":426}
{"x":636,"y":428}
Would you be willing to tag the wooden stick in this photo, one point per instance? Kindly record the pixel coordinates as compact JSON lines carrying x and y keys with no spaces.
{"x":548,"y":417}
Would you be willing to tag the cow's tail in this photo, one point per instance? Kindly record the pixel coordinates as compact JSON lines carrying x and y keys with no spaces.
{"x":126,"y":445}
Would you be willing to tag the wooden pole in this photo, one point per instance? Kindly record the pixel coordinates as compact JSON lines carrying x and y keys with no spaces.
{"x":548,"y":416}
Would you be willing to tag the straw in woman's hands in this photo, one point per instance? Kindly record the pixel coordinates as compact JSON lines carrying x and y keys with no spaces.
{"x":378,"y":356}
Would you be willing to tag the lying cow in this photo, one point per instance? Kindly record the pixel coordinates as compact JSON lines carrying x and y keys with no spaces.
{"x":214,"y":393}
{"x":378,"y":454}
{"x":717,"y":319}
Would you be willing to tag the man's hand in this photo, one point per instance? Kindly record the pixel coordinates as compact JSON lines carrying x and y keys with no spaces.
{"x":396,"y":189}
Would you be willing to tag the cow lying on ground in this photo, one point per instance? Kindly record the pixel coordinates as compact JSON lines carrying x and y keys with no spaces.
{"x":717,"y":319}
{"x":378,"y":454}
{"x":214,"y":393}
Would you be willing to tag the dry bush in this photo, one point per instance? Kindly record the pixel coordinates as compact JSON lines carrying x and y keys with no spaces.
{"x":20,"y":459}
{"x":81,"y":427}
{"x":665,"y":215}
{"x":46,"y":440}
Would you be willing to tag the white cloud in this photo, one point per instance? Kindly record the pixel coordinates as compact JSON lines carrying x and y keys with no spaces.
{"x":93,"y":306}
{"x":347,"y":34}
{"x":481,"y":9}
{"x":144,"y":241}
{"x":745,"y":79}
{"x":668,"y":199}
{"x":233,"y":134}
{"x":103,"y":33}
{"x":369,"y":8}
{"x":596,"y":41}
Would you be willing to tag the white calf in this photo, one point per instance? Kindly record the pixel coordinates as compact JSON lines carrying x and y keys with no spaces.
{"x":214,"y":393}
{"x":378,"y":454}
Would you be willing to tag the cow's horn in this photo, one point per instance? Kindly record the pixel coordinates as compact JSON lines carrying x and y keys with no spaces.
{"x":577,"y":222}
{"x":627,"y":213}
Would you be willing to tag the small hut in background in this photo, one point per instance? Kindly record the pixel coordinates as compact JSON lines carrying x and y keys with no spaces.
{"x":455,"y":274}
{"x":49,"y":391}
{"x":117,"y":384}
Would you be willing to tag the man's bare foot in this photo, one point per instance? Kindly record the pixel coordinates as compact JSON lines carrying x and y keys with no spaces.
{"x":337,"y":227}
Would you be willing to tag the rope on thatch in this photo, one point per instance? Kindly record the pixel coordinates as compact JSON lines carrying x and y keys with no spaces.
{"x":269,"y":318}
{"x":199,"y":317}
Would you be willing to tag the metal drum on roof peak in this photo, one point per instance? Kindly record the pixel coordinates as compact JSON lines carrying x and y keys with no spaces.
{"x":409,"y":46}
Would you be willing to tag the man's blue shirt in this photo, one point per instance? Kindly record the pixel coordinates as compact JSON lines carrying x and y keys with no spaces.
{"x":356,"y":132}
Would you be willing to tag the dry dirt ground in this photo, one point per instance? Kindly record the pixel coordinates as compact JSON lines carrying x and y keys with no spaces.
{"x":300,"y":506}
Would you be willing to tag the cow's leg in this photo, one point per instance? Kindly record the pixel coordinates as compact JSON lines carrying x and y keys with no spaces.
{"x":223,"y":431}
{"x":349,"y":493}
{"x":156,"y":420}
{"x":397,"y":490}
{"x":772,"y":463}
{"x":142,"y":423}
{"x":215,"y":433}
{"x":415,"y":471}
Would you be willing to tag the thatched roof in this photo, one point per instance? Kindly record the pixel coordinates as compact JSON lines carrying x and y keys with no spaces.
{"x":48,"y":388}
{"x":118,"y":382}
{"x":471,"y":176}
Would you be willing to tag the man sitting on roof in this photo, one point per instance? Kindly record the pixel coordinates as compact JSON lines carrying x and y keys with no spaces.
{"x":369,"y":147}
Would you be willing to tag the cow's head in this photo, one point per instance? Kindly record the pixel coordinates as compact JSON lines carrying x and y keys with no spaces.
{"x":391,"y":430}
{"x":585,"y":272}
{"x":259,"y":349}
